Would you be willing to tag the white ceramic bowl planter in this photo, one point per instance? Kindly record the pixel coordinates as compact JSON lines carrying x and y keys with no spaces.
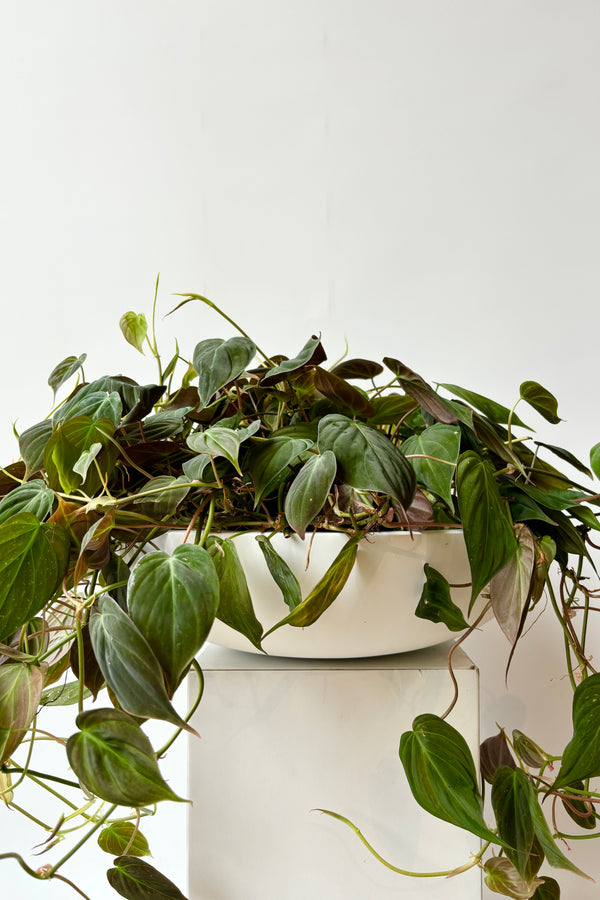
{"x":374,"y":614}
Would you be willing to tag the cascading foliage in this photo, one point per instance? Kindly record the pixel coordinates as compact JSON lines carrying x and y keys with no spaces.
{"x":92,"y":615}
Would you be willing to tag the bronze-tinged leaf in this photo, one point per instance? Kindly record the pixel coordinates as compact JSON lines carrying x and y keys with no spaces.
{"x":114,"y":759}
{"x":93,"y":678}
{"x":20,"y":690}
{"x":119,"y":837}
{"x":311,"y":354}
{"x":357,"y":368}
{"x":423,"y":393}
{"x":494,"y":753}
{"x":541,"y":400}
{"x":344,"y":395}
{"x":135,"y":879}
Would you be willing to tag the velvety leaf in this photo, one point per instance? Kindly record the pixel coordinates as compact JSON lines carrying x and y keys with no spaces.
{"x":137,"y":880}
{"x":441,"y":775}
{"x":420,"y":391}
{"x":64,"y":449}
{"x":487,"y":527}
{"x":550,"y":848}
{"x":20,"y":690}
{"x":344,"y":395}
{"x":219,"y":362}
{"x":548,"y":890}
{"x":31,"y":496}
{"x":216,"y":442}
{"x":114,"y":759}
{"x":134,"y":329}
{"x":495,"y":439}
{"x":581,"y":758}
{"x":436,"y":602}
{"x":161,"y":496}
{"x":312,"y":354}
{"x":119,"y":837}
{"x":63,"y":371}
{"x":173,"y":601}
{"x":443,"y":443}
{"x":199,"y":469}
{"x":567,"y":456}
{"x":32,"y":444}
{"x":511,"y":800}
{"x":554,"y":499}
{"x":530,"y":753}
{"x":595,"y":460}
{"x":510,"y":588}
{"x":391,"y":408}
{"x":235,"y":604}
{"x":86,"y":459}
{"x":357,"y":368}
{"x":129,"y":665}
{"x":115,"y":575}
{"x":494,"y":411}
{"x":283,"y":576}
{"x":324,"y":593}
{"x":308,"y":492}
{"x":269,"y":463}
{"x":502,"y":877}
{"x":33,"y":561}
{"x":63,"y":695}
{"x":494,"y":752}
{"x":93,"y":678}
{"x":580,"y":810}
{"x":165,"y":424}
{"x":367,"y":460}
{"x":95,"y":404}
{"x":541,"y":400}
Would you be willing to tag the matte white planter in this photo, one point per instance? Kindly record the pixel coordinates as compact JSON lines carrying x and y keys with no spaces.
{"x":374,"y":613}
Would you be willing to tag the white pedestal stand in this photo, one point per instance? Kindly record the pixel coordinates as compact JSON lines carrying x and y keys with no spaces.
{"x":282,"y":737}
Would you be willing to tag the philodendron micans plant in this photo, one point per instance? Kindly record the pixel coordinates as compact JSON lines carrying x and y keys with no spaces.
{"x":235,"y":439}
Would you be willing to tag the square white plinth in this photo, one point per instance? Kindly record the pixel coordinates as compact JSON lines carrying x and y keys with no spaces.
{"x":284,"y":737}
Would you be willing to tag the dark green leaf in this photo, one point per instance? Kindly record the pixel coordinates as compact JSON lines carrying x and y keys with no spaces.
{"x":441,"y":775}
{"x":357,"y":368}
{"x":114,"y":759}
{"x":436,"y":602}
{"x":120,"y":836}
{"x":420,"y":391}
{"x":32,"y":444}
{"x":165,"y":424}
{"x":34,"y":559}
{"x":511,"y":799}
{"x":510,"y":587}
{"x":311,"y":354}
{"x":63,"y":371}
{"x":63,"y":695}
{"x":494,"y":411}
{"x":31,"y":496}
{"x":96,"y":405}
{"x":493,"y":753}
{"x":390,"y":409}
{"x":283,"y":576}
{"x":579,"y":809}
{"x":235,"y":603}
{"x":567,"y":456}
{"x":344,"y":395}
{"x":92,"y":676}
{"x":549,"y":890}
{"x":553,"y":854}
{"x":161,"y":496}
{"x":216,"y":442}
{"x":173,"y":601}
{"x":137,"y":880}
{"x":129,"y":666}
{"x":581,"y":758}
{"x":488,"y":531}
{"x":442,"y":442}
{"x":541,"y":400}
{"x":269,"y":463}
{"x":308,"y":492}
{"x":219,"y":362}
{"x":324,"y":593}
{"x":367,"y":460}
{"x":134,"y":329}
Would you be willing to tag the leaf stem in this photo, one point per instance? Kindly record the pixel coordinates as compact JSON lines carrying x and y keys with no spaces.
{"x":80,"y":843}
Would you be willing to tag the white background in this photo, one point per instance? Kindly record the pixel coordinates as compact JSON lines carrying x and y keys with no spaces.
{"x":419,"y":177}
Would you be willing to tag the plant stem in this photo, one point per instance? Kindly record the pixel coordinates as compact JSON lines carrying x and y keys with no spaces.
{"x":190,"y":713}
{"x":85,"y":838}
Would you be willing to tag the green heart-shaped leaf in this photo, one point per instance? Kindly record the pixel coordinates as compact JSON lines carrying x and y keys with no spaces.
{"x":442,"y":442}
{"x":114,"y":759}
{"x":119,"y":837}
{"x":63,"y":371}
{"x":308,"y":491}
{"x":269,"y":463}
{"x":173,"y":600}
{"x":134,"y":329}
{"x":219,"y":362}
{"x":436,"y":602}
{"x":367,"y":460}
{"x":235,"y":603}
{"x":581,"y":758}
{"x":541,"y":400}
{"x":31,"y":496}
{"x":312,"y":354}
{"x":511,"y":800}
{"x":215,"y":442}
{"x":137,"y":880}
